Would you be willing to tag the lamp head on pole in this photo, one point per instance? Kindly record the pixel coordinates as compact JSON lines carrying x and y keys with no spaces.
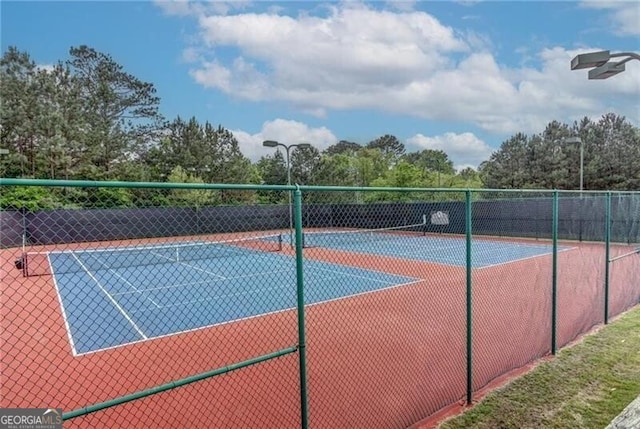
{"x":270,"y":143}
{"x":600,"y":64}
{"x":590,"y":60}
{"x":606,"y":70}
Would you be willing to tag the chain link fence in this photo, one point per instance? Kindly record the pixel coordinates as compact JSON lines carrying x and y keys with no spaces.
{"x":511,"y":291}
{"x":624,"y":263}
{"x":187,"y":305}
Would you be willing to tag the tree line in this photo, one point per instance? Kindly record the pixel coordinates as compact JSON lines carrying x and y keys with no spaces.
{"x":87,"y":118}
{"x":610,"y":150}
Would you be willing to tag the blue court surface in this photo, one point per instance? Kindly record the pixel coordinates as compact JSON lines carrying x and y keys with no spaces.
{"x":109,"y":301}
{"x":438,"y":249}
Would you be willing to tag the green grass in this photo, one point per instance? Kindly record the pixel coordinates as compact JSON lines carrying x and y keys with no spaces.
{"x":585,"y":386}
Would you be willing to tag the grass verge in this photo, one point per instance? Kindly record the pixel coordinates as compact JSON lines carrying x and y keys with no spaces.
{"x":585,"y":386}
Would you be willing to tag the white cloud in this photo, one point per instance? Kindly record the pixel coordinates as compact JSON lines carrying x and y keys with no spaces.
{"x":350,"y":51}
{"x":465,"y":150}
{"x":179,"y":7}
{"x":191,"y":55}
{"x":357,"y":57}
{"x":402,"y":5}
{"x":284,"y":131}
{"x":241,"y":80}
{"x":198,"y":8}
{"x":623,"y":15}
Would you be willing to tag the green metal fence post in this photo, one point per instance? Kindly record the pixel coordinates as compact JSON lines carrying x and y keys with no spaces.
{"x":297,"y":213}
{"x":554,"y":281}
{"x":607,"y":244}
{"x":468,"y":264}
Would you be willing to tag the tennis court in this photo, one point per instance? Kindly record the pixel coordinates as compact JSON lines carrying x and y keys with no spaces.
{"x":116,"y":296}
{"x":113,"y":297}
{"x":407,"y":242}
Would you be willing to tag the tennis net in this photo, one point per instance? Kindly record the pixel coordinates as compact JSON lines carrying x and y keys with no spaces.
{"x":68,"y":261}
{"x":347,"y":237}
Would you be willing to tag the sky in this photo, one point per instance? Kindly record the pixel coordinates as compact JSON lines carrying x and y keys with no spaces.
{"x":459,"y":76}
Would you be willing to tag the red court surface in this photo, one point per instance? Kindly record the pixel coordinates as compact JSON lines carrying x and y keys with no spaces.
{"x":385,"y":359}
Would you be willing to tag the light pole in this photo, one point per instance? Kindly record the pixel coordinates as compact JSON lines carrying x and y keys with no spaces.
{"x":601,"y":67}
{"x":578,"y":140}
{"x":273,"y":143}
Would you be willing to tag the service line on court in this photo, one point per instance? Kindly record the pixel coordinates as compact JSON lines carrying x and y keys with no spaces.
{"x":112,"y":299}
{"x":212,"y":298}
{"x":208,"y":281}
{"x":524,"y":258}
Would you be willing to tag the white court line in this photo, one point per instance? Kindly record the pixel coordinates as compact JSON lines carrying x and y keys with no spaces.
{"x":214,"y":297}
{"x":360,"y":268}
{"x":252,"y":317}
{"x":362,"y":277}
{"x":136,"y":290}
{"x":188,"y":265}
{"x":112,"y":299}
{"x":209,"y":281}
{"x":367,"y":292}
{"x":64,"y":313}
{"x":522,"y":259}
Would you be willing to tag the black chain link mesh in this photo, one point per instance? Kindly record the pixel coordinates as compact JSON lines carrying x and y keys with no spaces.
{"x":624,"y":277}
{"x":393,"y":352}
{"x":581,"y":264}
{"x":511,"y":283}
{"x":104,"y":302}
{"x":104,"y":298}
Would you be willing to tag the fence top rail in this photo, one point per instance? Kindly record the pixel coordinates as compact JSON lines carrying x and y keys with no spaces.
{"x":263,"y":187}
{"x":157,"y":185}
{"x":227,"y":186}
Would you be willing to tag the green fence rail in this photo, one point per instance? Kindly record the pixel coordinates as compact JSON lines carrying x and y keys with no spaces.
{"x":216,"y":305}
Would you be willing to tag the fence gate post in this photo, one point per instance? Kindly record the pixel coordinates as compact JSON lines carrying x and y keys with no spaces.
{"x":607,"y":256}
{"x":468,"y":215}
{"x":297,"y":212}
{"x":554,"y":281}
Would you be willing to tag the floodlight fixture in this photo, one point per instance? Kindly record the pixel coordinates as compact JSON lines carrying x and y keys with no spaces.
{"x":599,"y":62}
{"x":590,"y":60}
{"x":606,"y":71}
